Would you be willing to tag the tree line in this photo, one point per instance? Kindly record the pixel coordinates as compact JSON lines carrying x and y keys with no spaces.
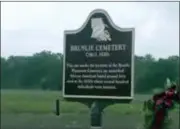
{"x":43,"y":70}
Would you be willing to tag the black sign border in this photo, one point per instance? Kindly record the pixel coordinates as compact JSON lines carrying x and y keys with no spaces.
{"x":66,"y":32}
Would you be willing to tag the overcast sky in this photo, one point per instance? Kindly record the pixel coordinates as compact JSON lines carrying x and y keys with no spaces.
{"x":30,"y":27}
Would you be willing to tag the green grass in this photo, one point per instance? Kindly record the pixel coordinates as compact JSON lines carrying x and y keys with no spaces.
{"x":34,"y":101}
{"x":33,"y":109}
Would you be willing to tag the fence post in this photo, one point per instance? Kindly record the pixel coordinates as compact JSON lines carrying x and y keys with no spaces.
{"x":57,"y":107}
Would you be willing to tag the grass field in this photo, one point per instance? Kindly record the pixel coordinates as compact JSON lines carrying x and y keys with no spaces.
{"x":22,"y":109}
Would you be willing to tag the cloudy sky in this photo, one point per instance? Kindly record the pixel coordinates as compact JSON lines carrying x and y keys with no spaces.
{"x":30,"y":27}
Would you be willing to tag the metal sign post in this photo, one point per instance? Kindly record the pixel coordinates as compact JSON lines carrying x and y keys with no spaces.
{"x":96,"y":116}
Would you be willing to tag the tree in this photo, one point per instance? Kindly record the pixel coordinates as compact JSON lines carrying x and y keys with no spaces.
{"x":44,"y":70}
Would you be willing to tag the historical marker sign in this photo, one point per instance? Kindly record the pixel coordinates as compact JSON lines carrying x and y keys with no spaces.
{"x":99,"y":60}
